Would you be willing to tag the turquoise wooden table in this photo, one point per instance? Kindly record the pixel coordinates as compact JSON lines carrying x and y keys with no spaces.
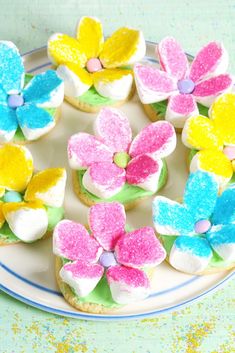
{"x":205,"y":327}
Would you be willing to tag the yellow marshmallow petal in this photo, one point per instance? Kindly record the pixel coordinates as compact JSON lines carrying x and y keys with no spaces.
{"x":2,"y":218}
{"x":2,"y":191}
{"x":222,"y":112}
{"x":126,"y":46}
{"x":215,"y":162}
{"x":15,"y":206}
{"x":64,"y":49}
{"x":199,"y":132}
{"x":90,"y":36}
{"x":82,"y":74}
{"x":114,"y":84}
{"x":16,"y":167}
{"x":47,"y":186}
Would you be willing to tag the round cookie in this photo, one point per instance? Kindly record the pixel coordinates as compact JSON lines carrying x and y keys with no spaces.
{"x":176,"y":91}
{"x":199,"y":234}
{"x":29,"y":105}
{"x":111,"y":166}
{"x":96,"y":73}
{"x":106,"y":270}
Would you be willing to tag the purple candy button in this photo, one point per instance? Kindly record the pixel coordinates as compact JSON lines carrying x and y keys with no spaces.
{"x":15,"y":100}
{"x":186,"y":86}
{"x":107,"y":259}
{"x":202,"y":226}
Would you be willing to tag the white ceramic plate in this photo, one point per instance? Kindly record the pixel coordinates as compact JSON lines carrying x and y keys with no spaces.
{"x":27,"y":271}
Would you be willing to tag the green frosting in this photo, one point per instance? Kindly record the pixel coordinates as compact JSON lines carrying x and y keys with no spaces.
{"x":121,"y":159}
{"x":92,"y":97}
{"x":19,"y":136}
{"x":55,"y":214}
{"x":128,"y":193}
{"x":160,"y":108}
{"x":215,"y":262}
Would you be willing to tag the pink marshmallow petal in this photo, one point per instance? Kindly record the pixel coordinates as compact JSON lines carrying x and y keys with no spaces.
{"x":85,"y":149}
{"x":140,"y":248}
{"x":180,"y":107}
{"x":144,"y":172}
{"x":157,"y":139}
{"x":107,"y":223}
{"x":127,"y":285}
{"x":173,"y":60}
{"x":210,"y":61}
{"x":206,"y":91}
{"x":113,"y":128}
{"x":153,"y":85}
{"x":82,"y":276}
{"x":104,"y":180}
{"x":72,"y":241}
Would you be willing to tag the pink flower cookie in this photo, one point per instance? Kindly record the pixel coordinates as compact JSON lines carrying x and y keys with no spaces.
{"x":109,"y":267}
{"x":111,"y":166}
{"x":178,"y":90}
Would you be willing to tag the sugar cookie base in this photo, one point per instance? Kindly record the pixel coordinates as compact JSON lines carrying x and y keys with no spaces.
{"x":154,"y":116}
{"x":45,"y":236}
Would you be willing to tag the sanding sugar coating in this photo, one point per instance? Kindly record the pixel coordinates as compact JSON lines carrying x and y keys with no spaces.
{"x":25,"y":107}
{"x":182,"y":85}
{"x":112,"y":158}
{"x":123,"y":255}
{"x":202,"y":224}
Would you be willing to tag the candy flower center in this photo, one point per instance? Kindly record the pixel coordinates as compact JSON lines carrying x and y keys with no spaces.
{"x":121,"y":159}
{"x":202,"y":226}
{"x":15,"y":100}
{"x":186,"y":86}
{"x":93,"y":65}
{"x":107,"y":259}
{"x":12,"y":196}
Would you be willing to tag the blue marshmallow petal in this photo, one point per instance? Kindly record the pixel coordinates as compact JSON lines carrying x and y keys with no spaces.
{"x":222,"y":240}
{"x":3,"y":96}
{"x":224,"y":212}
{"x":11,"y":68}
{"x":8,"y":123}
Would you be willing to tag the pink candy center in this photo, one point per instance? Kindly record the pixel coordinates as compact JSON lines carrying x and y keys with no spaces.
{"x":202,"y":226}
{"x":93,"y":65}
{"x":229,"y":151}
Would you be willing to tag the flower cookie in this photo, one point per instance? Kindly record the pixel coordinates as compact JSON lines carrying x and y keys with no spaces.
{"x":107,"y":266}
{"x":110,"y":166}
{"x":178,"y":91}
{"x":199,"y":234}
{"x":212,"y":140}
{"x":96,"y":73}
{"x":30,"y":205}
{"x":28,"y":105}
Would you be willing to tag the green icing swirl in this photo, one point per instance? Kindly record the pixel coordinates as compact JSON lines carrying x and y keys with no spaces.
{"x":92,"y":97}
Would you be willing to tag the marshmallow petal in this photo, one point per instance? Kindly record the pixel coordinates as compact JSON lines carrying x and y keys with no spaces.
{"x":28,"y":221}
{"x":127,"y":285}
{"x":173,"y":59}
{"x":72,"y":241}
{"x":8,"y":123}
{"x":63,"y":49}
{"x":47,"y":186}
{"x":211,"y":60}
{"x":11,"y":69}
{"x":180,"y":107}
{"x":113,"y":129}
{"x":140,"y":248}
{"x":104,"y":180}
{"x":171,"y":218}
{"x":85,"y":149}
{"x":77,"y":80}
{"x":190,"y":254}
{"x":45,"y":90}
{"x":34,"y":121}
{"x":222,"y":240}
{"x":224,"y":212}
{"x":222,"y":112}
{"x":16,"y":167}
{"x":113,"y":84}
{"x":107,"y":223}
{"x":153,"y":85}
{"x":90,"y":36}
{"x":215,"y":162}
{"x":157,"y":139}
{"x":200,"y":195}
{"x":3,"y":96}
{"x":125,"y":47}
{"x":144,"y":172}
{"x":199,"y":132}
{"x":82,"y":276}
